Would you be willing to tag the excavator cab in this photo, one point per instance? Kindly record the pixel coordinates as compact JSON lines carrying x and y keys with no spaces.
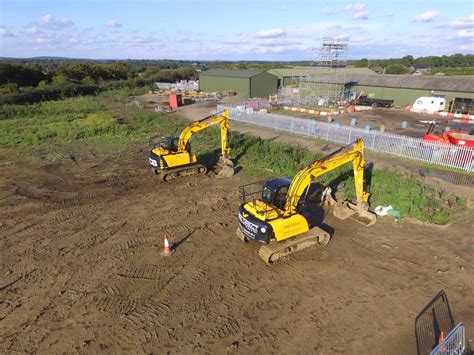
{"x":275,"y":191}
{"x":171,"y":143}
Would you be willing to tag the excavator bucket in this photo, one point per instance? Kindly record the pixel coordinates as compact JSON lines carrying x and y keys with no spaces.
{"x":224,"y":167}
{"x":356,"y":212}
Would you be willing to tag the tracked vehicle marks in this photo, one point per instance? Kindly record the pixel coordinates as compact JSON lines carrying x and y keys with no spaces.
{"x":147,"y":272}
{"x":229,"y":328}
{"x":115,"y":304}
{"x":149,"y":314}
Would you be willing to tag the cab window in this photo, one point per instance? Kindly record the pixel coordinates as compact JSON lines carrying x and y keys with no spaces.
{"x":267,"y":195}
{"x":280,"y":197}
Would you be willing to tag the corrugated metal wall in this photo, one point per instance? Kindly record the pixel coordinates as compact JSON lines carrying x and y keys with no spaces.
{"x":220,"y":83}
{"x":263,"y":84}
{"x":406,"y":97}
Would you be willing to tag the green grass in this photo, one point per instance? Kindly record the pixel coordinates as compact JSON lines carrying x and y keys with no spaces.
{"x":110,"y":125}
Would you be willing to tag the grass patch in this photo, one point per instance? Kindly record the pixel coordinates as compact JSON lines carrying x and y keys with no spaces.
{"x":109,"y":124}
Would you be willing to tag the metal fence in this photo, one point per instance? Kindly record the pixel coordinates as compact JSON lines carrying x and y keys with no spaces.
{"x":453,"y":344}
{"x":445,"y":155}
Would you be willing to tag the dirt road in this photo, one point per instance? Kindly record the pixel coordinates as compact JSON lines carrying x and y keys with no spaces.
{"x":81,"y":272}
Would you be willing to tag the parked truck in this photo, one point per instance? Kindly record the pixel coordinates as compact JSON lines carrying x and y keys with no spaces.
{"x":364,"y":100}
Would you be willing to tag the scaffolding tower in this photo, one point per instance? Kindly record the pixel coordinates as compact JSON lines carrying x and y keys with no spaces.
{"x":321,"y":84}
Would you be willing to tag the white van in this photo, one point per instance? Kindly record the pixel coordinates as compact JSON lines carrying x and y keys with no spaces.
{"x":430,"y":104}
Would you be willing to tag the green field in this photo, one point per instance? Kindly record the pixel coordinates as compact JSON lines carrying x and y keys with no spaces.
{"x":111,"y":125}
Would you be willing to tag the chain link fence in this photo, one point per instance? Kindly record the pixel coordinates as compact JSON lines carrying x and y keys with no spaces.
{"x":445,"y":155}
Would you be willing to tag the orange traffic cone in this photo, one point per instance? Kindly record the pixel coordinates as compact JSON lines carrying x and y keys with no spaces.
{"x":167,"y":251}
{"x":441,"y":337}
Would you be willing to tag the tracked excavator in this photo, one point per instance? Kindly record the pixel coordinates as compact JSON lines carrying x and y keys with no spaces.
{"x":173,"y":158}
{"x":278,"y":219}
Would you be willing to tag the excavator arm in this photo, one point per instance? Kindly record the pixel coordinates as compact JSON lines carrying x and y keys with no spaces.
{"x":352,"y":153}
{"x":221,"y":118}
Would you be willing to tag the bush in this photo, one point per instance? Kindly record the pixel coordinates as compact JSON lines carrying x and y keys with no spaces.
{"x":396,"y":69}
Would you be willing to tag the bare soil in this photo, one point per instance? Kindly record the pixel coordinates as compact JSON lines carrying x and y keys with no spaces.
{"x":81,"y":271}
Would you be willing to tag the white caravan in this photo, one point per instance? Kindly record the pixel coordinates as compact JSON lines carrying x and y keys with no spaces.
{"x":430,"y":104}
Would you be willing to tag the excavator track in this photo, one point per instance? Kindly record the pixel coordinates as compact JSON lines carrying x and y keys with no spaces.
{"x":241,"y":235}
{"x":272,"y":252}
{"x":173,"y":174}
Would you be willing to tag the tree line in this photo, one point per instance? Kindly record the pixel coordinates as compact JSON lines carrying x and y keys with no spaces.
{"x":25,"y":82}
{"x":463,"y":62}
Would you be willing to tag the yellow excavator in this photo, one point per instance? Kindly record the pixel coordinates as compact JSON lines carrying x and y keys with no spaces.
{"x":279,"y":218}
{"x":173,"y":158}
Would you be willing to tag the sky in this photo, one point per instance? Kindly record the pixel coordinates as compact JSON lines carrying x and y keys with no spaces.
{"x":233,"y":30}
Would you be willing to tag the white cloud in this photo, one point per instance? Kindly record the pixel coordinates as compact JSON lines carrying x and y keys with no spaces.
{"x":466,"y":47}
{"x":5,"y":32}
{"x":361,"y":15}
{"x":329,"y":10}
{"x":276,"y":42}
{"x":48,"y":22}
{"x":141,"y":40}
{"x":342,"y":37}
{"x":426,"y":16}
{"x":465,"y":34}
{"x":112,"y":24}
{"x":46,"y":19}
{"x":31,"y":30}
{"x":355,"y":7}
{"x":271,"y":33}
{"x":236,"y":41}
{"x":459,"y":24}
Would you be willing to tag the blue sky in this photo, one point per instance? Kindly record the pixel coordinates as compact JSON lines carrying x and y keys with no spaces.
{"x":232,"y":30}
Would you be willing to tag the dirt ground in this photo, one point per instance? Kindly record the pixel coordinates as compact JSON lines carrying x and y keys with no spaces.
{"x":80,"y":270}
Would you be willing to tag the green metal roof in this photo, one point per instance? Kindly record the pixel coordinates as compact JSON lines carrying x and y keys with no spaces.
{"x":422,"y":82}
{"x":231,"y":73}
{"x":300,"y":71}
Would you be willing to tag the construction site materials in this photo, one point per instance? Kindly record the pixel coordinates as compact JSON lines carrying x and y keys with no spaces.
{"x":172,"y":158}
{"x":280,"y":218}
{"x":382,"y":210}
{"x":180,"y":85}
{"x":449,"y":136}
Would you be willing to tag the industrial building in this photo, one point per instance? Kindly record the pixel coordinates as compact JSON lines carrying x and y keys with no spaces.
{"x":403,"y":89}
{"x":289,"y":76}
{"x":247,"y":83}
